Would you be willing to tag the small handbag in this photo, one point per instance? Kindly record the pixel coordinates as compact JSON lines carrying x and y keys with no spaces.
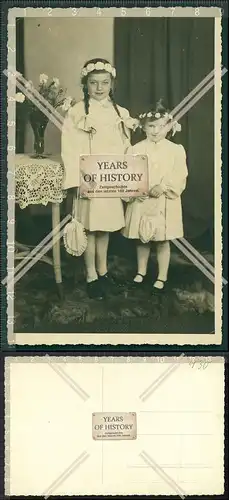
{"x":74,"y":237}
{"x":149,"y":225}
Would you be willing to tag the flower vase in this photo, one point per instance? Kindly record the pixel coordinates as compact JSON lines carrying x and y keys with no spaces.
{"x":38,"y":122}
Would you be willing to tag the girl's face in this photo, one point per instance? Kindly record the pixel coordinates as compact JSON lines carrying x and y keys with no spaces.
{"x":156,"y":130}
{"x":99,"y":85}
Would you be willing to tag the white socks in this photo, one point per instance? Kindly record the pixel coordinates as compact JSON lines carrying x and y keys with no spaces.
{"x":101,"y":242}
{"x":143,"y":252}
{"x":139,"y":278}
{"x":159,"y":285}
{"x":89,"y":258}
{"x":96,"y":251}
{"x":163,"y":260}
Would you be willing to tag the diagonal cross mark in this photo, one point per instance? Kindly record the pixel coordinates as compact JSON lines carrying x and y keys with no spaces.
{"x":193,"y":92}
{"x":202,"y":259}
{"x":57,"y":119}
{"x":35,"y":97}
{"x":72,"y":467}
{"x":195,"y":99}
{"x":159,"y":380}
{"x":195,"y":260}
{"x":37,"y":252}
{"x":158,"y":469}
{"x":69,"y":380}
{"x":194,"y":96}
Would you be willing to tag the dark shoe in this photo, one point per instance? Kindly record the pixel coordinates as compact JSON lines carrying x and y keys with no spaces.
{"x":159,"y":291}
{"x":94,"y":290}
{"x":108,"y":284}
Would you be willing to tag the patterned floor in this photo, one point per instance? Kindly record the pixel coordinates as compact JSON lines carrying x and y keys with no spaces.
{"x":185,"y":308}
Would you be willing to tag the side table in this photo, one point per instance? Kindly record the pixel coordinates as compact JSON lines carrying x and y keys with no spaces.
{"x":38,"y":181}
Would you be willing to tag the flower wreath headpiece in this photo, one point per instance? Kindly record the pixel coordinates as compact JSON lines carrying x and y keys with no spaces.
{"x":176,"y":127}
{"x":99,"y":66}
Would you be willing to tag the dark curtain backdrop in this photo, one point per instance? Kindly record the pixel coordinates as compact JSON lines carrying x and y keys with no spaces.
{"x":20,"y":115}
{"x":167,"y":58}
{"x":24,"y":222}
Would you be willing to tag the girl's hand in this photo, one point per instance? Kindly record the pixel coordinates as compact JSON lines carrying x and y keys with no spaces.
{"x":143,"y":197}
{"x":156,"y":191}
{"x":84,"y":195}
{"x":83,"y":191}
{"x":127,"y":200}
{"x":131,"y":123}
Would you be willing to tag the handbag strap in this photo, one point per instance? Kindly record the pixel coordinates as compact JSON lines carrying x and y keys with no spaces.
{"x":75,"y":204}
{"x":89,"y":141}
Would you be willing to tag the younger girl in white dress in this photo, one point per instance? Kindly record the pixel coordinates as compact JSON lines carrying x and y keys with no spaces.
{"x":167,"y":180}
{"x":96,"y":125}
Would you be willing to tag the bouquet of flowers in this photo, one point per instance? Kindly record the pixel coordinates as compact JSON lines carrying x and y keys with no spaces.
{"x":52,"y":93}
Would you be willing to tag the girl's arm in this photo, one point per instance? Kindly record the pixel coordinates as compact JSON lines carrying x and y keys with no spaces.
{"x":174,"y":184}
{"x":69,"y":153}
{"x":71,"y":194}
{"x":128,"y":151}
{"x":130,"y":124}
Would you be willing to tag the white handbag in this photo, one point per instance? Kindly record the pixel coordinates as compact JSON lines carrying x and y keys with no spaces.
{"x":147,"y":228}
{"x":150,"y":223}
{"x":75,"y":238}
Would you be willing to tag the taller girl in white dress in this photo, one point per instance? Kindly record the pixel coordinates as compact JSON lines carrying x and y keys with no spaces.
{"x":96,"y":125}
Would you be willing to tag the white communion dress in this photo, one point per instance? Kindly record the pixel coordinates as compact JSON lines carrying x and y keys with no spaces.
{"x":97,"y":214}
{"x":167,"y":167}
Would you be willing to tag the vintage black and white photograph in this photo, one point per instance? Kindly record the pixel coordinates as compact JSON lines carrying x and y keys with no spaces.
{"x":116,"y":268}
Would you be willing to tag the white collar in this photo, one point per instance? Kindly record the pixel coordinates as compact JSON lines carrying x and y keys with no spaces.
{"x":103,"y":103}
{"x":156,"y":145}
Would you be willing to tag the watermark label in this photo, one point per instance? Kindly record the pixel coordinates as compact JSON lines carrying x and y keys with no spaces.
{"x":112,"y":426}
{"x":116,"y":176}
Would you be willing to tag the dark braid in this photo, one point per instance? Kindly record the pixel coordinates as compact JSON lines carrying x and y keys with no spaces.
{"x":86,"y":99}
{"x":117,"y":111}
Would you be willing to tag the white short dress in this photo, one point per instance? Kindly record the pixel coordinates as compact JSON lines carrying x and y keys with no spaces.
{"x":97,"y":214}
{"x":167,"y":166}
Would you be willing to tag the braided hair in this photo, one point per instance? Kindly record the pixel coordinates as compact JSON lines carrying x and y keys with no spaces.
{"x":86,"y":99}
{"x":87,"y":96}
{"x":117,"y":111}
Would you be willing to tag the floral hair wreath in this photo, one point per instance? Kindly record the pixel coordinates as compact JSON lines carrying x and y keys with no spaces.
{"x":176,"y":127}
{"x":99,"y":66}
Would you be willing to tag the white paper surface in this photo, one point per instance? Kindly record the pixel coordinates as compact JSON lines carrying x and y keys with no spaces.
{"x":180,"y":415}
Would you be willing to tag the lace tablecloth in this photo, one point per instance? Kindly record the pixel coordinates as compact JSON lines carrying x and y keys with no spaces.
{"x":38,"y":181}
